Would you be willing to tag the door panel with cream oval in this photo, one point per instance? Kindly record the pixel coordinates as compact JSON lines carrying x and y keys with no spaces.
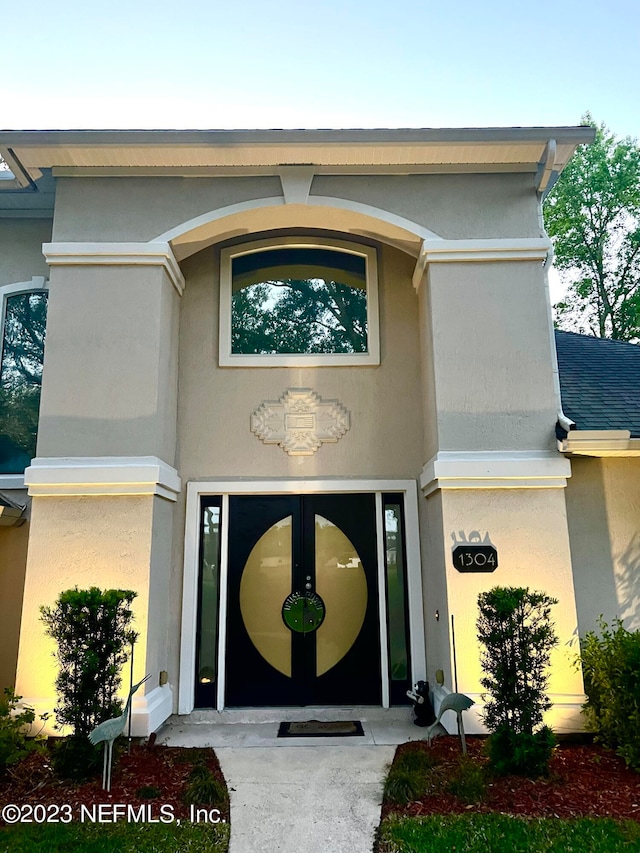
{"x":302,"y":617}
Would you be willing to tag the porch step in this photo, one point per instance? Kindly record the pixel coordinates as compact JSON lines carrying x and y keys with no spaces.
{"x":258,"y":727}
{"x":290,"y":715}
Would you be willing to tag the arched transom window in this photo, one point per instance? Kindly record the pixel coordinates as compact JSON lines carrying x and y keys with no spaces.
{"x":298,"y":302}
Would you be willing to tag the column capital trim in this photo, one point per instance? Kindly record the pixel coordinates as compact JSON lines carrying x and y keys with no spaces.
{"x":116,"y":254}
{"x":479,"y":251}
{"x":511,"y":469}
{"x":102,"y":475}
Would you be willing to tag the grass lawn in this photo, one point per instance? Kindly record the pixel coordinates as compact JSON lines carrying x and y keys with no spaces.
{"x":493,"y":833}
{"x":114,"y":838}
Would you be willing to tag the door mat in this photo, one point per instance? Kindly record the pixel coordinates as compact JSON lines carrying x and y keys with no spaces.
{"x":319,"y":728}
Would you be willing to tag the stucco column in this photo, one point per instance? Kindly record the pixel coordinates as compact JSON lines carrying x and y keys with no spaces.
{"x":492,"y":470}
{"x":103,"y":483}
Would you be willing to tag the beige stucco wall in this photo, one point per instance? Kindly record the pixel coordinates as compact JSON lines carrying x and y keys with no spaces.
{"x":434,"y":589}
{"x":163,"y":605}
{"x":139,"y":208}
{"x":427,"y":361}
{"x":127,"y":209}
{"x":21,"y":249}
{"x":175,"y":591}
{"x":454,"y":206}
{"x":215,"y":404}
{"x":110,"y":542}
{"x":110,"y":371}
{"x":603,"y":502}
{"x":528,"y":527}
{"x":13,"y":560}
{"x":491,"y":356}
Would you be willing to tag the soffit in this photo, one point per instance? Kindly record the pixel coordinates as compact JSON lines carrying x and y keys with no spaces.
{"x":464,"y":149}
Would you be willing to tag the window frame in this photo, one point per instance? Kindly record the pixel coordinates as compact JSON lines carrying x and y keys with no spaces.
{"x":369,"y":358}
{"x":37,"y":284}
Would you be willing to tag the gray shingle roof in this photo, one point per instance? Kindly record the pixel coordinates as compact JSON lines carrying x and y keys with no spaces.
{"x":7,"y":502}
{"x":599,"y":382}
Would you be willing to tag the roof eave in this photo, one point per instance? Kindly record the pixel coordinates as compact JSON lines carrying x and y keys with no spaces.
{"x":599,"y":443}
{"x":371,"y":151}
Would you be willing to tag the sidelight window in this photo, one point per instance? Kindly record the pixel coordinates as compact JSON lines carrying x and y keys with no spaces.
{"x":208,"y":601}
{"x":397,"y":605}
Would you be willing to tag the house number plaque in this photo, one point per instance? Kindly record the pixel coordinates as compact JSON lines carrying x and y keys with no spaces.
{"x":303,"y":612}
{"x":475,"y":558}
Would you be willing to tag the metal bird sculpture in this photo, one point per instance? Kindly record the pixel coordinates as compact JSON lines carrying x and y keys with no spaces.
{"x":109,"y":731}
{"x":457,"y":702}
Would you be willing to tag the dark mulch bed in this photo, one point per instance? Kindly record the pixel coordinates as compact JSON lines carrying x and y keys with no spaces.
{"x":585,"y":780}
{"x":165,"y":768}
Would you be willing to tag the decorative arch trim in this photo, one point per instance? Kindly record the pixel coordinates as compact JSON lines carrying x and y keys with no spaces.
{"x":378,"y":215}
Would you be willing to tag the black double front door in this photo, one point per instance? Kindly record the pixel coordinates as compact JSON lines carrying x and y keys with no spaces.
{"x":302,"y":614}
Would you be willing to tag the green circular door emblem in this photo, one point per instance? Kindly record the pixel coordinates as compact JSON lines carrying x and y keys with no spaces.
{"x":303,"y":612}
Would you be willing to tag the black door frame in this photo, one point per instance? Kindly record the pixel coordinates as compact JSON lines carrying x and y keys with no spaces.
{"x":356,"y":678}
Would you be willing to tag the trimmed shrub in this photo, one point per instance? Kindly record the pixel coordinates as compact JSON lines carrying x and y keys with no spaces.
{"x":611,"y":670}
{"x":92,"y":630}
{"x":75,"y":759}
{"x":521,"y":753}
{"x":515,"y":628}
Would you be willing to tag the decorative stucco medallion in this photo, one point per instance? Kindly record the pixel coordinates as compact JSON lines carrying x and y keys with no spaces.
{"x":300,"y":421}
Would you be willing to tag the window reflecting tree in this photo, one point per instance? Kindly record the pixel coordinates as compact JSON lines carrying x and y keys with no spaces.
{"x":311,"y":315}
{"x":21,"y":378}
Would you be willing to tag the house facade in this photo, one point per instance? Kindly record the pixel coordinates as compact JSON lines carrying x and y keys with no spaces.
{"x":299,"y":392}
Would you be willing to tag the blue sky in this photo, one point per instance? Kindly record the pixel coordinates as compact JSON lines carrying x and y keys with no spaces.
{"x":279,"y":63}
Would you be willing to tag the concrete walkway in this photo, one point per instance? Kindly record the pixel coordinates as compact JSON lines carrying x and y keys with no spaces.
{"x":305,"y":799}
{"x":300,"y":795}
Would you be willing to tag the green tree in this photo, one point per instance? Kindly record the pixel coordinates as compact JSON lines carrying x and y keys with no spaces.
{"x":592,"y":215}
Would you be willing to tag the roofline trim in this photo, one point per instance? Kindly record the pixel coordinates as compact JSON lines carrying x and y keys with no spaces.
{"x":599,"y":443}
{"x":576,"y":135}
